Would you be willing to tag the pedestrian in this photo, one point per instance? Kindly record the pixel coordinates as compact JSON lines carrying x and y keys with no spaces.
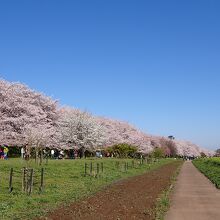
{"x":1,"y":153}
{"x":75,"y":154}
{"x":52,"y":153}
{"x":27,"y":153}
{"x":61,"y":154}
{"x":71,"y":153}
{"x":5,"y":153}
{"x":22,"y":153}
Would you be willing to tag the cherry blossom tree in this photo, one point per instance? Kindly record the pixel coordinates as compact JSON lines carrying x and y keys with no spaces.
{"x":169,"y":146}
{"x":79,"y":129}
{"x":119,"y":132}
{"x":27,"y":118}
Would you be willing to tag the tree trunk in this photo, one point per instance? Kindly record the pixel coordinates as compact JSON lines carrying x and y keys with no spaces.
{"x":36,"y":155}
{"x":41,"y":156}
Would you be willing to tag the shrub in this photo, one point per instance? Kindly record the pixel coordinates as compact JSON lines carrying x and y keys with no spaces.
{"x":122,"y":150}
{"x":158,"y":153}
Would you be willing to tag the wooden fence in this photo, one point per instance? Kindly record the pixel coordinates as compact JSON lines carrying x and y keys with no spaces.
{"x":29,"y":179}
{"x":96,"y":169}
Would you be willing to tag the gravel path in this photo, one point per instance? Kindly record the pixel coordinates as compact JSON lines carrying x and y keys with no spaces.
{"x":194,"y":197}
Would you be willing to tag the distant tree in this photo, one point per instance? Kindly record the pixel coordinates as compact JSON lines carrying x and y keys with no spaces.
{"x":171,"y":137}
{"x":203,"y":154}
{"x":172,"y":147}
{"x":118,"y":132}
{"x":158,"y":153}
{"x":169,"y":146}
{"x":166,"y":151}
{"x":217,"y":153}
{"x":123,"y":150}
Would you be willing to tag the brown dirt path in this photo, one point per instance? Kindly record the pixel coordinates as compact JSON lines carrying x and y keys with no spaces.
{"x":194,"y":197}
{"x":133,"y":198}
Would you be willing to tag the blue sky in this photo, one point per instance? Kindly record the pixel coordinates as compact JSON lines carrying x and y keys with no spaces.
{"x":154,"y":63}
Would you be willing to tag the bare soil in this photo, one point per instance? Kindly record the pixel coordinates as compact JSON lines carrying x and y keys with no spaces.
{"x":132,"y":198}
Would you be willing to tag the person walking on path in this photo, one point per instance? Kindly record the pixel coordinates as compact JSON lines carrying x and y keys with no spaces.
{"x":1,"y":153}
{"x":52,"y":152}
{"x":194,"y":197}
{"x":22,"y":153}
{"x":5,"y":153}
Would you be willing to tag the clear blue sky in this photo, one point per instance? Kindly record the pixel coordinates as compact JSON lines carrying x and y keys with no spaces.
{"x":153,"y":63}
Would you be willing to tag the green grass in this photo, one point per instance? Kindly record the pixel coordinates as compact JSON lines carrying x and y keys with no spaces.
{"x":64,"y":183}
{"x":163,"y":202}
{"x":210,"y":167}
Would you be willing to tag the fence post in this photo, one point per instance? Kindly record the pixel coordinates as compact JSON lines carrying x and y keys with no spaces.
{"x":91,"y":169}
{"x":85,"y":169}
{"x":46,"y":159}
{"x":26,"y":179}
{"x":30,"y":187}
{"x":140,"y":162}
{"x":102,"y":167}
{"x":32,"y":179}
{"x":42,"y":180}
{"x":23,"y":186}
{"x":97,"y":169}
{"x":10,"y":180}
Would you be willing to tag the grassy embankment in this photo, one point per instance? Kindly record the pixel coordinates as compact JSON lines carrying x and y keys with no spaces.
{"x":64,"y":182}
{"x":210,"y":167}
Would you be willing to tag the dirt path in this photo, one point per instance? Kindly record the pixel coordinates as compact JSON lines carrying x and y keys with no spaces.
{"x":194,"y":197}
{"x":133,"y":198}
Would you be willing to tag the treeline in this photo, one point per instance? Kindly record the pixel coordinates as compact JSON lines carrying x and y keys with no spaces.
{"x":31,"y":119}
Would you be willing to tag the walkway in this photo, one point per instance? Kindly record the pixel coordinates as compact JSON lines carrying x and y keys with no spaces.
{"x":194,"y":197}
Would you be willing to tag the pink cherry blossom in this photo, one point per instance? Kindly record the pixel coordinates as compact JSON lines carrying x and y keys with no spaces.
{"x":30,"y":118}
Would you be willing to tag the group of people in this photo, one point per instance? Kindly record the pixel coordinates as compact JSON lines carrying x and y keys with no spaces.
{"x":61,"y":154}
{"x":25,"y":153}
{"x":3,"y":153}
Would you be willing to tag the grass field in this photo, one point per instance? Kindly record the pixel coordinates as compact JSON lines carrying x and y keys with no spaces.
{"x":210,"y":167}
{"x":64,"y":182}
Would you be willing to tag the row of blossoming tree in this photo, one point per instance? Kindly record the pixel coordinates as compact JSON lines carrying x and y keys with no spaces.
{"x":31,"y":119}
